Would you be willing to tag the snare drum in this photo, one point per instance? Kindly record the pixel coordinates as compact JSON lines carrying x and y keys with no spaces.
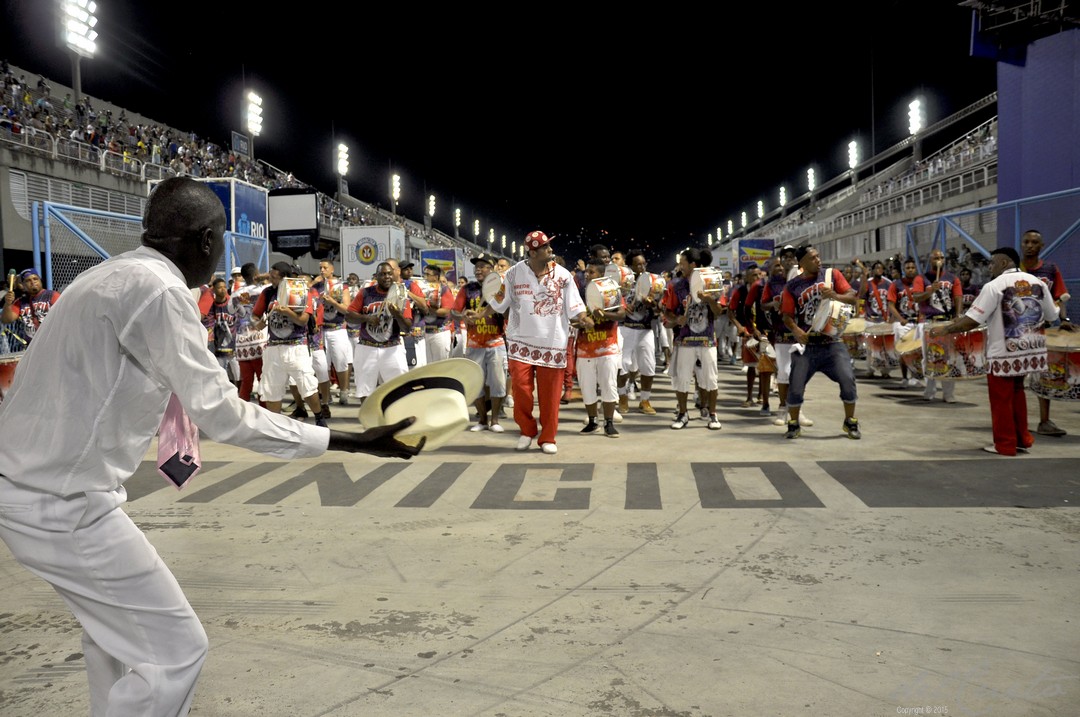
{"x":8,"y":362}
{"x":603,"y":294}
{"x":910,"y":350}
{"x":650,"y":286}
{"x":852,"y":338}
{"x":293,"y":292}
{"x":1061,"y":379}
{"x":879,"y":343}
{"x":956,"y":357}
{"x":622,"y":276}
{"x":831,"y":318}
{"x":706,"y":280}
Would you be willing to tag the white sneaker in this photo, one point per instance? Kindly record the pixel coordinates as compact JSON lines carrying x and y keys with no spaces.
{"x":477,"y":427}
{"x":681,"y":421}
{"x":496,"y":428}
{"x":714,"y":423}
{"x":805,"y":420}
{"x":549,"y":448}
{"x":780,"y":420}
{"x":508,"y":401}
{"x":617,"y":418}
{"x":524,"y":443}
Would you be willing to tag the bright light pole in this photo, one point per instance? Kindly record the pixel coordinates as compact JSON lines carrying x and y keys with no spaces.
{"x":853,"y":158}
{"x":342,"y":166}
{"x":760,"y":209}
{"x":395,"y":191}
{"x":254,"y":120}
{"x":916,"y":122}
{"x":457,"y":222}
{"x":730,"y":227}
{"x":79,"y":19}
{"x":743,"y":217}
{"x":476,"y":230}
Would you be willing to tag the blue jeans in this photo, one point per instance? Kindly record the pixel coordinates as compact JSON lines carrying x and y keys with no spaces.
{"x":831,"y":359}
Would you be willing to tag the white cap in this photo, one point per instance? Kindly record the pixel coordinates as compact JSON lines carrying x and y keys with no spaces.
{"x":236,"y":270}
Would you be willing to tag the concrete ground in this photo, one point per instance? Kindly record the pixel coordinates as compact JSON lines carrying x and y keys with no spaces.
{"x":667,"y":573}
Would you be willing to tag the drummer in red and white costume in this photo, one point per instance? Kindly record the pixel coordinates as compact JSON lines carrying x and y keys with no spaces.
{"x":599,"y":358}
{"x":438,"y":326}
{"x":694,"y":354}
{"x":286,"y":355}
{"x":939,"y":297}
{"x":32,"y":307}
{"x":539,"y":299}
{"x":1031,"y":245}
{"x":874,"y":293}
{"x":814,"y":351}
{"x":380,"y":354}
{"x":639,"y":346}
{"x":338,"y":351}
{"x":1013,"y":305}
{"x":904,"y":311}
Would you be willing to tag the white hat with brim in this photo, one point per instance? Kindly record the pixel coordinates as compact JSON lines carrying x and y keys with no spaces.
{"x":437,"y":394}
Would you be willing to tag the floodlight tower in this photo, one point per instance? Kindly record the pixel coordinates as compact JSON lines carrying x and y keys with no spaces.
{"x":853,"y":159}
{"x":457,"y":222}
{"x":254,"y":120}
{"x":916,"y":123}
{"x":342,"y":166}
{"x":395,"y":191}
{"x":78,"y":19}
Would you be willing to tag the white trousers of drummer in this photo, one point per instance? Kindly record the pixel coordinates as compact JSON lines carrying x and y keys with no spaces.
{"x":142,"y":643}
{"x":599,"y":375}
{"x":438,"y":345}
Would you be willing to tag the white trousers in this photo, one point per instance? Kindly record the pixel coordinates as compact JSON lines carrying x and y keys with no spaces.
{"x":438,"y":345}
{"x":143,"y":644}
{"x":688,"y":370}
{"x":282,"y":363}
{"x":638,"y":351}
{"x":339,"y":348}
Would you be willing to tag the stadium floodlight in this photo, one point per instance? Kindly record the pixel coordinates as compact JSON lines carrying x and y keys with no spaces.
{"x":853,"y":154}
{"x":513,"y":245}
{"x":743,"y":220}
{"x":77,"y":21}
{"x":476,"y":228}
{"x":342,"y":159}
{"x":811,"y":180}
{"x":710,"y":238}
{"x":783,"y":195}
{"x":916,"y":117}
{"x":431,"y":206}
{"x":80,"y":18}
{"x":730,"y":227}
{"x":719,"y":235}
{"x":760,"y":209}
{"x":254,"y":114}
{"x":457,"y":217}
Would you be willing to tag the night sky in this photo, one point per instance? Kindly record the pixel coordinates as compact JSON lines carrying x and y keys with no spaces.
{"x":646,"y":128}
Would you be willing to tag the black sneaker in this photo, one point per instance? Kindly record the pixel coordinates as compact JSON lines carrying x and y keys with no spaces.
{"x":300,"y":413}
{"x":325,"y":411}
{"x":851,"y":428}
{"x":320,"y":421}
{"x":591,"y":427}
{"x":793,"y":430}
{"x":609,"y":429}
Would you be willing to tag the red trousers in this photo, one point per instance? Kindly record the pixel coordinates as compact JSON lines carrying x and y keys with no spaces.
{"x":549,"y":384}
{"x":570,"y":373}
{"x":248,"y":371}
{"x":1008,"y":413}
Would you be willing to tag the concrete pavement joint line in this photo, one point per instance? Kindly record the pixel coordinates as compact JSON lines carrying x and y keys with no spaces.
{"x":901,"y":632}
{"x":831,"y":682}
{"x":830,"y":491}
{"x":638,"y":628}
{"x":504,"y":628}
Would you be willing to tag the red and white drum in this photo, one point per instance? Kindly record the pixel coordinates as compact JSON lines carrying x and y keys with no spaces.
{"x":910,"y":350}
{"x":852,"y":338}
{"x":622,"y":276}
{"x":650,"y":286}
{"x":8,"y":362}
{"x":831,"y":318}
{"x":706,"y":280}
{"x":603,"y":294}
{"x":956,"y":357}
{"x":879,"y":341}
{"x":1061,"y":379}
{"x":293,"y":292}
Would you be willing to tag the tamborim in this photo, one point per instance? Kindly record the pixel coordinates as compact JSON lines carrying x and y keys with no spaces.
{"x":603,"y":294}
{"x":706,"y":280}
{"x":493,"y":283}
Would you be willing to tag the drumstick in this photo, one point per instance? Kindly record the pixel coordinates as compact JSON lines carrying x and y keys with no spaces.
{"x":11,"y":280}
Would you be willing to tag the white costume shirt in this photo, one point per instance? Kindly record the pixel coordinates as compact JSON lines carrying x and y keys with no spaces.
{"x":89,"y":395}
{"x":538,"y":312}
{"x":1013,"y":306}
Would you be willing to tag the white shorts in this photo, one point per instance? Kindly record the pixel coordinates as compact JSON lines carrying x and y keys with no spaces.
{"x":687,"y":370}
{"x":639,"y":351}
{"x":602,"y":371}
{"x":493,"y":361}
{"x":377,"y":364}
{"x":318,"y":365}
{"x":284,"y":362}
{"x":339,"y":348}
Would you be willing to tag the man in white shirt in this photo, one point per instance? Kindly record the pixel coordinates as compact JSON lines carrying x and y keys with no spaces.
{"x":1013,"y":306}
{"x":539,"y":299}
{"x":61,"y":512}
